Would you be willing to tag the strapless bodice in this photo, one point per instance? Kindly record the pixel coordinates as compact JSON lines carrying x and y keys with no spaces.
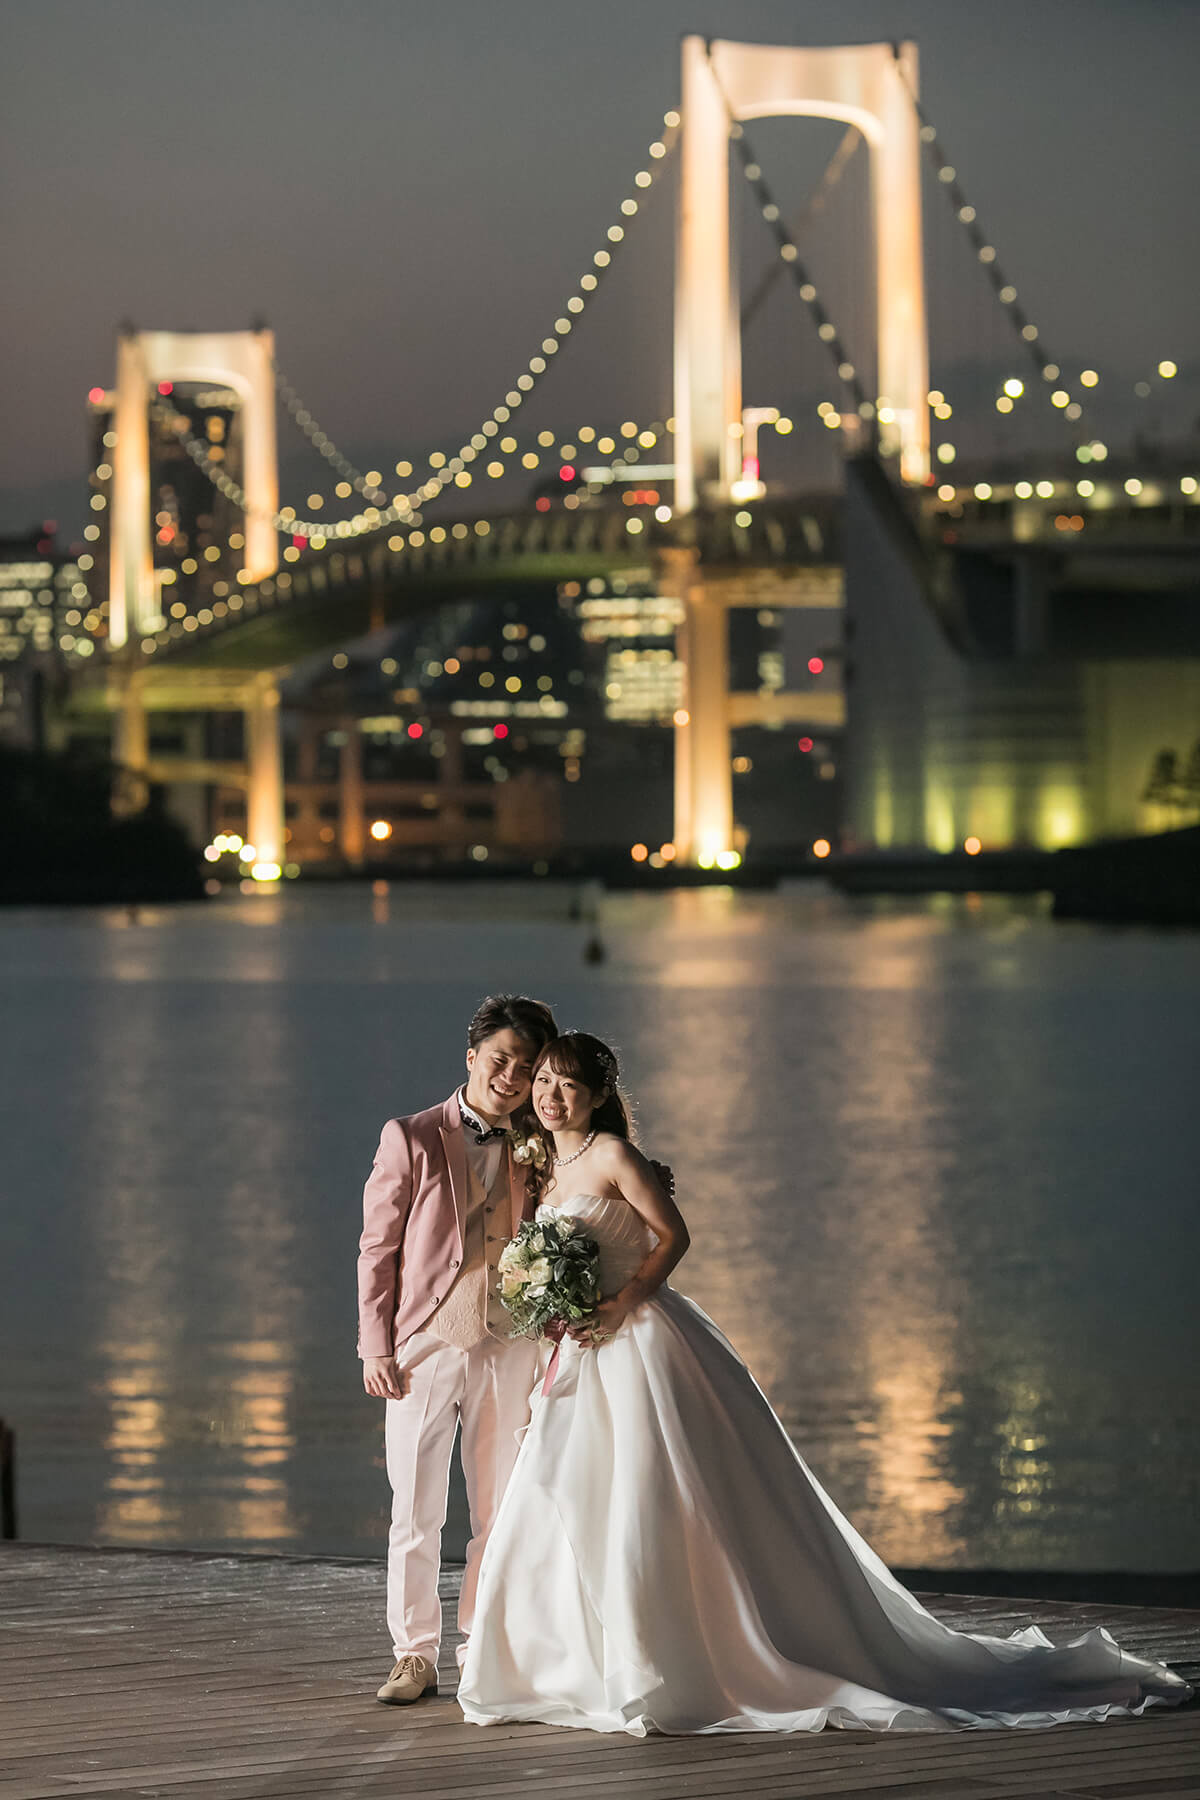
{"x":621,"y":1237}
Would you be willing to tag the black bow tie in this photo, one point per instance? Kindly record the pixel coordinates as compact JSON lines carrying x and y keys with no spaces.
{"x":484,"y":1134}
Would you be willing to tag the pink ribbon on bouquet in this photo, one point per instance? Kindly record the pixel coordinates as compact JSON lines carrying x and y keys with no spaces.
{"x":555,"y":1331}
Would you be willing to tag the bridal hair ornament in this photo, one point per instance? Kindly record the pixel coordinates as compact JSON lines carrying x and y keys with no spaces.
{"x":606,"y":1060}
{"x":608,"y":1063}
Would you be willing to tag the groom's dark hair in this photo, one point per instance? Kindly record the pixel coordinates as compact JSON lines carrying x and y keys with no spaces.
{"x":530,"y":1019}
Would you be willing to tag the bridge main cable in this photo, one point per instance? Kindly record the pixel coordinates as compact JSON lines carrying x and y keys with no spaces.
{"x":1006,"y":292}
{"x":403,"y":507}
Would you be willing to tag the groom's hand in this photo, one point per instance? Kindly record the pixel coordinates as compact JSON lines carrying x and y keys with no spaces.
{"x":666,"y":1177}
{"x":382,"y":1378}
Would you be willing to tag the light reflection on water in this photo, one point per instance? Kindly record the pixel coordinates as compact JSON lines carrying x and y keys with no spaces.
{"x":938,"y":1160}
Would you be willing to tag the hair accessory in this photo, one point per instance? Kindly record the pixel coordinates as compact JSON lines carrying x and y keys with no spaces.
{"x":602,"y":1054}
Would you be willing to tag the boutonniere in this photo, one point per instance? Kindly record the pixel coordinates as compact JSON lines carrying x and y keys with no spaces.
{"x":529,"y":1149}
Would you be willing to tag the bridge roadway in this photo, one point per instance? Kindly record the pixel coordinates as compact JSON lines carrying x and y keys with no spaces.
{"x":781,"y":555}
{"x":790,"y":545}
{"x":1007,"y":576}
{"x":335,"y":595}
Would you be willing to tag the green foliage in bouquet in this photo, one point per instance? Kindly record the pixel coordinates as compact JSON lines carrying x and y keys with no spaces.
{"x":549,"y":1273}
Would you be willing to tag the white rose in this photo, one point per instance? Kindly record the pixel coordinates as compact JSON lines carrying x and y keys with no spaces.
{"x":539,"y":1272}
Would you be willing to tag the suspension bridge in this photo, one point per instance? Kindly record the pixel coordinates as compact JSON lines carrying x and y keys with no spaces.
{"x":1019,"y":628}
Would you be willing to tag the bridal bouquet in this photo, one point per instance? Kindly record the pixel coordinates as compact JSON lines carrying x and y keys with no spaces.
{"x":549,"y":1274}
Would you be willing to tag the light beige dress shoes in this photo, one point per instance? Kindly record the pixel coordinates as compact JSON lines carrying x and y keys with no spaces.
{"x":411,"y":1677}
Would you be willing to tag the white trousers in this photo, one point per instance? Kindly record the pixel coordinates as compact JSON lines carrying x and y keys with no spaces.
{"x":485,"y":1389}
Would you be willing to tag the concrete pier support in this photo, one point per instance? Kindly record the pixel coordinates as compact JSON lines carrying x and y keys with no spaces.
{"x":264,"y":757}
{"x":306,"y":825}
{"x":131,"y":747}
{"x":450,"y":783}
{"x":352,"y":825}
{"x":703,"y":772}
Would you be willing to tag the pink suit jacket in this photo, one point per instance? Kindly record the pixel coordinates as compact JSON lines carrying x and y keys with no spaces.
{"x":414,"y":1208}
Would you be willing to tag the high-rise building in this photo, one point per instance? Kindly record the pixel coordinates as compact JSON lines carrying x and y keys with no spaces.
{"x":643,"y":677}
{"x":43,"y":604}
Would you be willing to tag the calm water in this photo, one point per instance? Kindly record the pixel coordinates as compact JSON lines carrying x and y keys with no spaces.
{"x":939,"y":1161}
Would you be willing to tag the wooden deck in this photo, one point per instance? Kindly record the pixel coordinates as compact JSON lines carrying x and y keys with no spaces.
{"x":153,"y":1674}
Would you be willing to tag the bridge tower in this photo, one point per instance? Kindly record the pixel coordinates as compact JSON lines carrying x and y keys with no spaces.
{"x":245,"y":362}
{"x":870,"y":86}
{"x":242,"y":360}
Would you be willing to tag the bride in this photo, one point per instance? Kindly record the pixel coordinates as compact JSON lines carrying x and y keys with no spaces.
{"x":663,"y":1559}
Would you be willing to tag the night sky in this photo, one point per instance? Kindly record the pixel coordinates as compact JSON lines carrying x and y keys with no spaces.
{"x":407,"y":194}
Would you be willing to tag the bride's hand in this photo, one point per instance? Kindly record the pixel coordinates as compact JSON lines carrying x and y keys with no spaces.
{"x":602,"y":1323}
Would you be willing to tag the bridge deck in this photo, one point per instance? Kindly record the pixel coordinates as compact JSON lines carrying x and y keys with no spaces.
{"x":215,"y":1678}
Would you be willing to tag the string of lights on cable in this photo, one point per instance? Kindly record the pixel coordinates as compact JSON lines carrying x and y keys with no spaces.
{"x":985,"y":253}
{"x":366,"y":483}
{"x":454,"y":469}
{"x":622,"y":448}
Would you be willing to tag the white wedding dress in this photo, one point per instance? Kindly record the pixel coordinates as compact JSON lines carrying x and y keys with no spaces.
{"x":663,"y":1559}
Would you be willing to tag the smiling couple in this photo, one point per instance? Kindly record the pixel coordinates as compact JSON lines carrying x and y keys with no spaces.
{"x":652,"y":1554}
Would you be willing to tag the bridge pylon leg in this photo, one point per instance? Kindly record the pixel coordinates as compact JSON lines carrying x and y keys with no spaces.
{"x":131,"y":747}
{"x":264,"y":755}
{"x":351,"y":823}
{"x":703,"y":771}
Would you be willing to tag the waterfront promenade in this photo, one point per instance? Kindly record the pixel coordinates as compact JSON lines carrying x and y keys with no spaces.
{"x":189,"y":1676}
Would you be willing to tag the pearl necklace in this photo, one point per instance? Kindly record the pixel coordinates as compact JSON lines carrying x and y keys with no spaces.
{"x":560,"y":1162}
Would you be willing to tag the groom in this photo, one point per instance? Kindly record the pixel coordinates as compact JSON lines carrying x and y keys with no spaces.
{"x":443,"y":1198}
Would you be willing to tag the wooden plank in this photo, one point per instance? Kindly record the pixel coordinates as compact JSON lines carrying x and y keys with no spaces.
{"x":220,"y":1677}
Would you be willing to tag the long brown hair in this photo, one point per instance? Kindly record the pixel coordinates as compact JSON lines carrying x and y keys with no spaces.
{"x":588,"y":1060}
